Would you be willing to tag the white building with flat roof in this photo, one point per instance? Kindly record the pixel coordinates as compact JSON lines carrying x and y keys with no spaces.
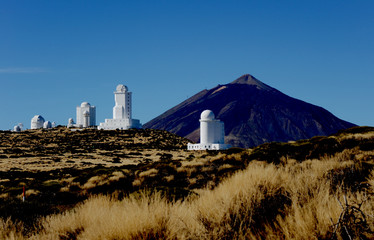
{"x":122,"y":111}
{"x":212,"y":133}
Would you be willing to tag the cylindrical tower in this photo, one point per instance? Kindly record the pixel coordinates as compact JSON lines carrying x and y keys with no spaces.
{"x":86,"y":121}
{"x":207,"y":127}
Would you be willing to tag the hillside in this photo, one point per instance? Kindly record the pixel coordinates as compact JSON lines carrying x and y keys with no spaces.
{"x":315,"y":188}
{"x":41,"y":150}
{"x":253,"y":113}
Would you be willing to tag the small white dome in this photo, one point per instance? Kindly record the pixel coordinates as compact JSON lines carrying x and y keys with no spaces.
{"x":86,"y":113}
{"x":47,"y":124}
{"x":207,"y":115}
{"x":17,"y":129}
{"x":121,"y":88}
{"x":85,"y":104}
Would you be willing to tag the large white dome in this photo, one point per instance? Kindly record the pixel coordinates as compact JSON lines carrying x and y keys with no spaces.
{"x":207,"y":115}
{"x":37,"y":118}
{"x":121,"y":88}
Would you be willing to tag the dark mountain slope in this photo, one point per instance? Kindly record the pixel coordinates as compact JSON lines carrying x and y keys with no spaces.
{"x":253,"y":113}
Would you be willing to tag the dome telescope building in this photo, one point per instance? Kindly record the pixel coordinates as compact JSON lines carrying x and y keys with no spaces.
{"x":86,"y":115}
{"x":47,"y":125}
{"x":71,"y":123}
{"x":37,"y":122}
{"x":17,"y":128}
{"x":212,"y":133}
{"x":122,"y":111}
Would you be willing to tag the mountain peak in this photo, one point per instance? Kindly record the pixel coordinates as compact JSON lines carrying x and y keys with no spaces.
{"x":248,"y":79}
{"x":253,"y":113}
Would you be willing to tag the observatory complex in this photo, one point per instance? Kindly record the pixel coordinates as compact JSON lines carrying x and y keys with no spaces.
{"x":38,"y":122}
{"x":212,"y":133}
{"x":122,"y":112}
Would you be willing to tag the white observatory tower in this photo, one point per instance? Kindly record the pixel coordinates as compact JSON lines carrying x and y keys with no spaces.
{"x":212,"y":133}
{"x":86,"y":116}
{"x":122,"y":98}
{"x":122,"y":112}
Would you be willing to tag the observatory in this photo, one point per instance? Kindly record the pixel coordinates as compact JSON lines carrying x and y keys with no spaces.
{"x":17,"y":128}
{"x":37,"y":122}
{"x":71,"y":123}
{"x":212,"y":133}
{"x":86,"y":115}
{"x":122,"y":111}
{"x":47,"y":125}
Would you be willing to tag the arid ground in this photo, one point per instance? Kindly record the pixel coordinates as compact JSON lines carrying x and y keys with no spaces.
{"x":143,"y":184}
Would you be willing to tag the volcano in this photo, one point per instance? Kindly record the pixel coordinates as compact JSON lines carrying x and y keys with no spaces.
{"x":253,"y":113}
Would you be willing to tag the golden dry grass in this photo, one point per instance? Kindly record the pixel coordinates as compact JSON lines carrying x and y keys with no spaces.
{"x":61,"y":148}
{"x":290,"y":201}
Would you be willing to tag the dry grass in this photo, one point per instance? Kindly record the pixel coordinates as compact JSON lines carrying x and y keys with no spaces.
{"x":293,"y":201}
{"x":103,"y":218}
{"x":317,"y":189}
{"x":61,"y":148}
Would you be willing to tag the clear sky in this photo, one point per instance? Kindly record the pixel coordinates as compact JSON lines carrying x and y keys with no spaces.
{"x":56,"y":54}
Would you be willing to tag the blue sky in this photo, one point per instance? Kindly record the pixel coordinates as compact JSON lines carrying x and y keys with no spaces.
{"x":56,"y":54}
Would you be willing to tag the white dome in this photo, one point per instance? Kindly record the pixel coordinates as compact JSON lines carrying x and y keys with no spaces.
{"x":86,"y":113}
{"x":17,"y":129}
{"x":47,"y":124}
{"x":207,"y":115}
{"x":85,"y":104}
{"x":121,"y":88}
{"x":37,"y":118}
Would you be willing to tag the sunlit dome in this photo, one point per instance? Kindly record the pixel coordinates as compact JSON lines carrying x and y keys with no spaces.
{"x":207,"y":115}
{"x":37,"y":118}
{"x":85,"y":104}
{"x":121,"y":88}
{"x":47,"y":124}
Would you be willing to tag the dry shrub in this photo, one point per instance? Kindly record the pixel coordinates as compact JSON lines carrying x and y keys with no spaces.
{"x":102,"y":180}
{"x":224,"y":167}
{"x":95,"y":181}
{"x":116,"y":176}
{"x":358,"y":136}
{"x":137,"y":183}
{"x":30,"y":192}
{"x":169,"y":178}
{"x":103,"y":218}
{"x":149,"y":173}
{"x":242,"y":203}
{"x":4,"y":195}
{"x":10,"y":230}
